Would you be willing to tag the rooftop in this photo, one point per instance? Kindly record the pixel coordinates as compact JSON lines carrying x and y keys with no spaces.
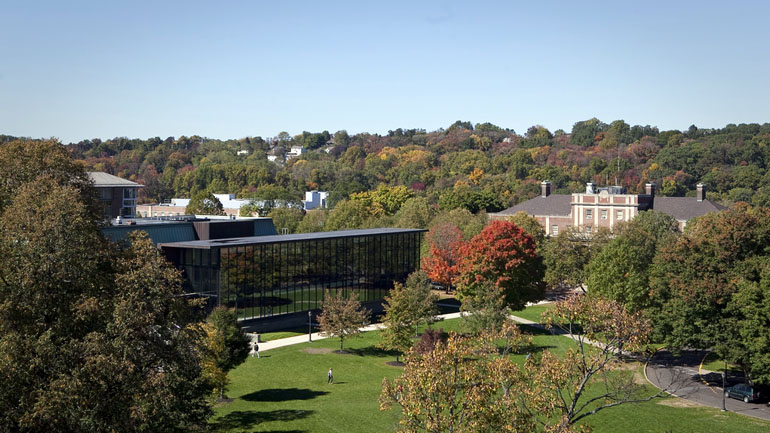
{"x":255,"y":240}
{"x":104,"y":180}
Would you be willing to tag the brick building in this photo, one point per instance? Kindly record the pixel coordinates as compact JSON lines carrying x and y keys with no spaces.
{"x":605,"y":207}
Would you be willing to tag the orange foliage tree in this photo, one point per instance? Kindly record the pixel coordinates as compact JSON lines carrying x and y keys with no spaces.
{"x":505,"y":255}
{"x":445,"y":240}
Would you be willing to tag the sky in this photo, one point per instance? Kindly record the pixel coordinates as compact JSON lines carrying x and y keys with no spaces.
{"x":229,"y":69}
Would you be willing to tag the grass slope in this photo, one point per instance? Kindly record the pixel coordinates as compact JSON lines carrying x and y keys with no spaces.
{"x":286,"y":391}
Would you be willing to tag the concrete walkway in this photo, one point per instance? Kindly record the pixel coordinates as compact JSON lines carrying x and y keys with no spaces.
{"x":289,"y":341}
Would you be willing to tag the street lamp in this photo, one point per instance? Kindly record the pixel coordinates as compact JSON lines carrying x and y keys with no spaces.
{"x":724,"y":391}
{"x":309,"y":327}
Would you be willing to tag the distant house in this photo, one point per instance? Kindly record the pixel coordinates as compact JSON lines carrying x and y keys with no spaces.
{"x":276,"y":154}
{"x":242,"y":152}
{"x":315,"y":199}
{"x":117,"y":195}
{"x":295,"y":151}
{"x":605,"y":207}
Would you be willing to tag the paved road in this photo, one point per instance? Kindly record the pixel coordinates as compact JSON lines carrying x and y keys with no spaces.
{"x":680,"y":376}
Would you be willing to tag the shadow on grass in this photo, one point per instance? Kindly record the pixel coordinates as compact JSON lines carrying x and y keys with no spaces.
{"x":374,"y":351}
{"x":283,"y":394}
{"x":241,"y":420}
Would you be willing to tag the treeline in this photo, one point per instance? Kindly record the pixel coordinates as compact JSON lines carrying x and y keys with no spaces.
{"x":475,"y":167}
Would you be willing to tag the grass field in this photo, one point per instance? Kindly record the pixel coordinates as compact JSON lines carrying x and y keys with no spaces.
{"x":286,"y":391}
{"x":533,"y":312}
{"x":714,"y":363}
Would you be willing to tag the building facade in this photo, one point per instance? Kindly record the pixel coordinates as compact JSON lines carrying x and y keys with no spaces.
{"x":605,"y":207}
{"x":117,"y":195}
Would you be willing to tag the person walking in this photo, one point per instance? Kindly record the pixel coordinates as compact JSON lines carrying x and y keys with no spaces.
{"x":331,"y":377}
{"x":255,"y":350}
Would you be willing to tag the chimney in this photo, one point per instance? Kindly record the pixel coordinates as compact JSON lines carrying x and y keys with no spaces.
{"x":545,"y":188}
{"x":701,"y":194}
{"x":590,"y":188}
{"x":649,"y":188}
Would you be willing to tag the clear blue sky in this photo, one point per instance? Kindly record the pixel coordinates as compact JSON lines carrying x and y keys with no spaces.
{"x":220,"y":69}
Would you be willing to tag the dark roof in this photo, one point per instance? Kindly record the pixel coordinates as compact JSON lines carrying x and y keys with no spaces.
{"x":685,"y":208}
{"x":254,"y":240}
{"x":554,"y":204}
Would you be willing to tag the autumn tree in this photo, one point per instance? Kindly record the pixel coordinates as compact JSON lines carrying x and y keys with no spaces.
{"x":226,"y":346}
{"x":504,"y":255}
{"x":556,"y":388}
{"x":407,"y":306}
{"x":444,"y":240}
{"x":204,"y":203}
{"x":341,"y":317}
{"x":462,"y":384}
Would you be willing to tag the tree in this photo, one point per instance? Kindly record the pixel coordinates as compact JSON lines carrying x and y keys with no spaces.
{"x":204,"y":203}
{"x":415,"y":213}
{"x":406,"y":308}
{"x":485,"y":311}
{"x":341,"y":317}
{"x":620,"y":271}
{"x":444,"y":240}
{"x":567,"y":255}
{"x":226,"y":344}
{"x":461,"y":385}
{"x":313,"y":221}
{"x":80,"y":320}
{"x":555,"y":388}
{"x":474,"y":384}
{"x":23,"y":161}
{"x":286,"y":217}
{"x":700,"y":283}
{"x":504,"y":255}
{"x":530,"y":226}
{"x":349,"y":214}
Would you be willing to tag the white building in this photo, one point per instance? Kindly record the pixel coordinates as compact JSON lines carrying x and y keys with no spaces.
{"x":315,"y":199}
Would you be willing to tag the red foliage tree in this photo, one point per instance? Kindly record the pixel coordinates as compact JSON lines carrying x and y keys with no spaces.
{"x":505,"y":255}
{"x":445,"y":241}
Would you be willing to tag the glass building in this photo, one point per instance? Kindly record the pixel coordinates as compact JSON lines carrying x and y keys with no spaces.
{"x":265,"y":276}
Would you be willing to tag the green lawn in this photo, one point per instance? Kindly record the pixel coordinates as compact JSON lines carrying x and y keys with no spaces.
{"x":533,"y":312}
{"x":714,"y":363}
{"x":286,"y":391}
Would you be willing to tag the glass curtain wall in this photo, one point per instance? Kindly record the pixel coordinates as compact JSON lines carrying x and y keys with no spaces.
{"x":270,"y":279}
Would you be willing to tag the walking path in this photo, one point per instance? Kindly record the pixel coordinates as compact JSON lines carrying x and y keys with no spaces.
{"x":289,"y":341}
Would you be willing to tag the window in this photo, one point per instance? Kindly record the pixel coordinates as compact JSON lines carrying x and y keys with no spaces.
{"x":619,"y":216}
{"x":554,"y":230}
{"x":589,"y":214}
{"x":604,"y":214}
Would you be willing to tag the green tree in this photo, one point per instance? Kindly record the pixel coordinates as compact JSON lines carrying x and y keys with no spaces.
{"x":313,"y":221}
{"x":620,"y":271}
{"x":349,"y":214}
{"x":406,"y":308}
{"x":341,"y":317}
{"x":531,"y":226}
{"x":226,"y":346}
{"x":286,"y":217}
{"x":204,"y":203}
{"x":694,"y":280}
{"x":415,"y":213}
{"x":80,"y":320}
{"x":567,"y":255}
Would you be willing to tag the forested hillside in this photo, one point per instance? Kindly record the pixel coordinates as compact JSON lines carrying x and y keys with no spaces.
{"x":475,"y":167}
